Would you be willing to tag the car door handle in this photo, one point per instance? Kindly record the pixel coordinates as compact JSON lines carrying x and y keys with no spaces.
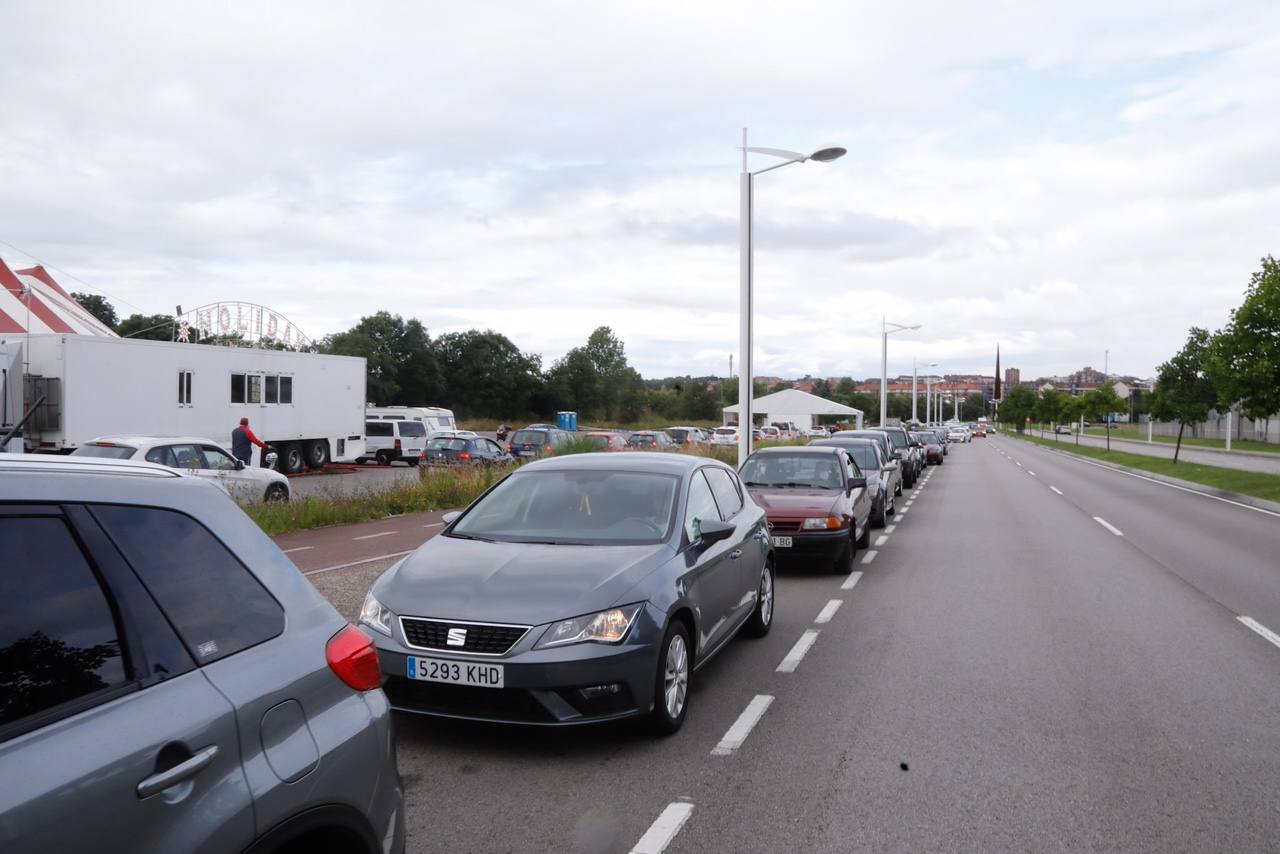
{"x":735,"y":554}
{"x":157,"y":783}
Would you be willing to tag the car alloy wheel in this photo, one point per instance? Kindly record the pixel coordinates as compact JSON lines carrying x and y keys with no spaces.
{"x":761,"y":618}
{"x":675,"y":678}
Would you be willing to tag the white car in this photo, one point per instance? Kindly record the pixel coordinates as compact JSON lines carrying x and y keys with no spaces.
{"x":724,"y":436}
{"x":817,"y":433}
{"x":202,"y":458}
{"x":957,"y":434}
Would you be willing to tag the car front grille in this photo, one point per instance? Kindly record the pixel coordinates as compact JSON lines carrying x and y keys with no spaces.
{"x":480,"y":638}
{"x":504,"y":704}
{"x":784,"y":526}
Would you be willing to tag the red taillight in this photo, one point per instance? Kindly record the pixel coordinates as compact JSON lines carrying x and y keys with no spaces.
{"x":465,"y":455}
{"x":397,"y":444}
{"x":510,"y":447}
{"x":354,"y":658}
{"x":547,"y":449}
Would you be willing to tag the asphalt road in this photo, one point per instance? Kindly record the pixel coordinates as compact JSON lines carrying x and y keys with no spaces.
{"x":1007,"y":673}
{"x":1248,"y":461}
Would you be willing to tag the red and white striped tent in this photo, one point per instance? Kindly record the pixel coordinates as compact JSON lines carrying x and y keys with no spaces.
{"x":32,"y":293}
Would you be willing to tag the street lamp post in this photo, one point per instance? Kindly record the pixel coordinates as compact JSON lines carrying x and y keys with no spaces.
{"x":885,"y":332}
{"x":914,"y":370}
{"x":746,"y":186}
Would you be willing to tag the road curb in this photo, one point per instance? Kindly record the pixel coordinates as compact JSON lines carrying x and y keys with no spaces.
{"x":1191,"y":486}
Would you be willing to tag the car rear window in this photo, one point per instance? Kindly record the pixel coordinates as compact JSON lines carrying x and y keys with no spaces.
{"x":726,"y":431}
{"x":110,"y":452}
{"x":217,"y":606}
{"x":601,"y":442}
{"x":678,"y":435}
{"x":58,"y":638}
{"x":530,"y":437}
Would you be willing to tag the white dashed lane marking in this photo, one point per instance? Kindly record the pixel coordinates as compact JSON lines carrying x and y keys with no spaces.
{"x":375,"y":536}
{"x":664,"y":828}
{"x":1261,"y":629}
{"x":741,"y":728}
{"x":1055,"y":489}
{"x":889,"y":529}
{"x":828,"y":611}
{"x":434,"y":525}
{"x":297,"y":549}
{"x":1104,"y":523}
{"x":797,"y":653}
{"x":854,"y":576}
{"x":869,"y":556}
{"x":881,"y":540}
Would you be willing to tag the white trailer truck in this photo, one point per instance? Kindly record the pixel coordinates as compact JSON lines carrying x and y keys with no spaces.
{"x":309,"y":407}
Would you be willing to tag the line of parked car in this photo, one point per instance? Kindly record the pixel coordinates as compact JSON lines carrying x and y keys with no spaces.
{"x":173,"y":683}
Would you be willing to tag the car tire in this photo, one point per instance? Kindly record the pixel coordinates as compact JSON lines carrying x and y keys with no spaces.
{"x":897,"y":490}
{"x":891,"y":507}
{"x":276,"y":492}
{"x":317,"y":454}
{"x":761,"y":619}
{"x":661,"y":720}
{"x":413,"y":461}
{"x":844,"y":563}
{"x":292,"y":460}
{"x":382,"y":458}
{"x":864,"y":542}
{"x":878,"y":517}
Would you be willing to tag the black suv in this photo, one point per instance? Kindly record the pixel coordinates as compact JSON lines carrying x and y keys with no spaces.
{"x":902,"y":451}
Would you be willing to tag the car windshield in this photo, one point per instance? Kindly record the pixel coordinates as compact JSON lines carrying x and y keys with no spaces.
{"x":110,"y":452}
{"x":816,"y":471}
{"x":412,"y":428}
{"x":575,"y":507}
{"x":529,"y":437}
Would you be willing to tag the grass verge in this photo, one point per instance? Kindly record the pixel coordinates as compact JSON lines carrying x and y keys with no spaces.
{"x":436,"y":489}
{"x":1256,"y":484}
{"x":1140,"y":435}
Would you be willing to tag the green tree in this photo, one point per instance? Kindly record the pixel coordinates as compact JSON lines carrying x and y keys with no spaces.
{"x":821,"y":388}
{"x":1184,"y":390}
{"x":1019,"y":405}
{"x":97,"y":305}
{"x":402,"y":365}
{"x":151,"y":327}
{"x":1245,"y":356}
{"x":1100,"y":403}
{"x":486,"y":374}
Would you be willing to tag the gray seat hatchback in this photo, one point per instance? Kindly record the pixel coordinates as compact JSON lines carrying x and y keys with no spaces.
{"x":169,"y":681}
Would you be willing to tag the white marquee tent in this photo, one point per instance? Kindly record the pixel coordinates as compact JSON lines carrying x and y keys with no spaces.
{"x":798,"y":407}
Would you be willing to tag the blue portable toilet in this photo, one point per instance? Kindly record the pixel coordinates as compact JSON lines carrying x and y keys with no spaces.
{"x":567,"y":420}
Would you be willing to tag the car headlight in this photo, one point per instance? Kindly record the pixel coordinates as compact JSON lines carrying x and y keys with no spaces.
{"x":375,"y":615}
{"x":826,"y":523}
{"x":609,"y":626}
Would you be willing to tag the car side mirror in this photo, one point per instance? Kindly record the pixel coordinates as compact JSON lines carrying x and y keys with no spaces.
{"x":449,"y":517}
{"x":239,"y":465}
{"x":857,"y":483}
{"x":713,"y":531}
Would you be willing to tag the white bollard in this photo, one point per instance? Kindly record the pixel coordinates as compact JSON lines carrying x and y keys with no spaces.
{"x":1228,"y":429}
{"x":1149,"y":422}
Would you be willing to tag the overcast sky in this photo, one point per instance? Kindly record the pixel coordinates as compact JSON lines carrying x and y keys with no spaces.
{"x":1102,"y":176}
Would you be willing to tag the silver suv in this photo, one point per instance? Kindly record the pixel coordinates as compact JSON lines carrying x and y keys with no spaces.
{"x":170,"y":682}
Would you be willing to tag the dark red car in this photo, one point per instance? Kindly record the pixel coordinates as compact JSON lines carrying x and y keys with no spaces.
{"x":816,"y":500}
{"x":932,"y":447}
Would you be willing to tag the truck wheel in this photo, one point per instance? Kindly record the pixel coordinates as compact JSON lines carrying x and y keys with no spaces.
{"x":317,"y":454}
{"x":291,"y":458}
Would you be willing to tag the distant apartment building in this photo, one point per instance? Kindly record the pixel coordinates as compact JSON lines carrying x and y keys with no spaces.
{"x":1012,"y":376}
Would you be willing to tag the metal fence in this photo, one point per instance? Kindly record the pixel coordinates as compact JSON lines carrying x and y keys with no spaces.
{"x":1257,"y":429}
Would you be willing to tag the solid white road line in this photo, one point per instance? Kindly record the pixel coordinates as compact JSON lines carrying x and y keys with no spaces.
{"x":356,"y":563}
{"x":1261,"y":629}
{"x":828,"y":611}
{"x":1072,"y":456}
{"x":881,"y":540}
{"x":854,"y":576}
{"x":664,"y":828}
{"x":742,"y":727}
{"x":375,"y":536}
{"x":298,"y":549}
{"x":793,"y":658}
{"x":1104,"y":523}
{"x":1055,"y":489}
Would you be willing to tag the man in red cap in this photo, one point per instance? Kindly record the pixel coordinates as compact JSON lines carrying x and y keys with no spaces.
{"x":242,"y":442}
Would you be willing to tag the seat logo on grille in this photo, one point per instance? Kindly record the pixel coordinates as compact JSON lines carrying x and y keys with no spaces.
{"x":457,"y":637}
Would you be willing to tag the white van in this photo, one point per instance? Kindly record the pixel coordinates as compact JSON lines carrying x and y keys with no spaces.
{"x":435,"y":418}
{"x":391,"y":439}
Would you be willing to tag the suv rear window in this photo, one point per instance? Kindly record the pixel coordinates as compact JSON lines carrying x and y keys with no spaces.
{"x":412,"y":428}
{"x":530,"y":437}
{"x":58,"y":638}
{"x":214,"y":602}
{"x":379,"y":428}
{"x":110,"y":452}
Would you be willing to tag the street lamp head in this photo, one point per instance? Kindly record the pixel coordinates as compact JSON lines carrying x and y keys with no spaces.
{"x":826,"y":155}
{"x":917,"y":326}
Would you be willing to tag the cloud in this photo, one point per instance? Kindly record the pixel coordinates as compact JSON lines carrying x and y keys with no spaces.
{"x":1062,"y":179}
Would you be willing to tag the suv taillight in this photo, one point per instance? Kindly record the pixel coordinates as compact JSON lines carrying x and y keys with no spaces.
{"x":354,"y":658}
{"x":397,"y":444}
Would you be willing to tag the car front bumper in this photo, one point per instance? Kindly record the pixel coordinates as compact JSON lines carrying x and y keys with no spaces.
{"x":541,"y":687}
{"x":823,"y":545}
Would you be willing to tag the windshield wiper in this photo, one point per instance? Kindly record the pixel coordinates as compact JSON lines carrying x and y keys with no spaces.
{"x":470,"y":537}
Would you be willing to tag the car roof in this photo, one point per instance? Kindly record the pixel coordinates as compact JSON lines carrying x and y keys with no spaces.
{"x":623,"y":461}
{"x":150,"y":440}
{"x":45,"y":464}
{"x":800,"y":449}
